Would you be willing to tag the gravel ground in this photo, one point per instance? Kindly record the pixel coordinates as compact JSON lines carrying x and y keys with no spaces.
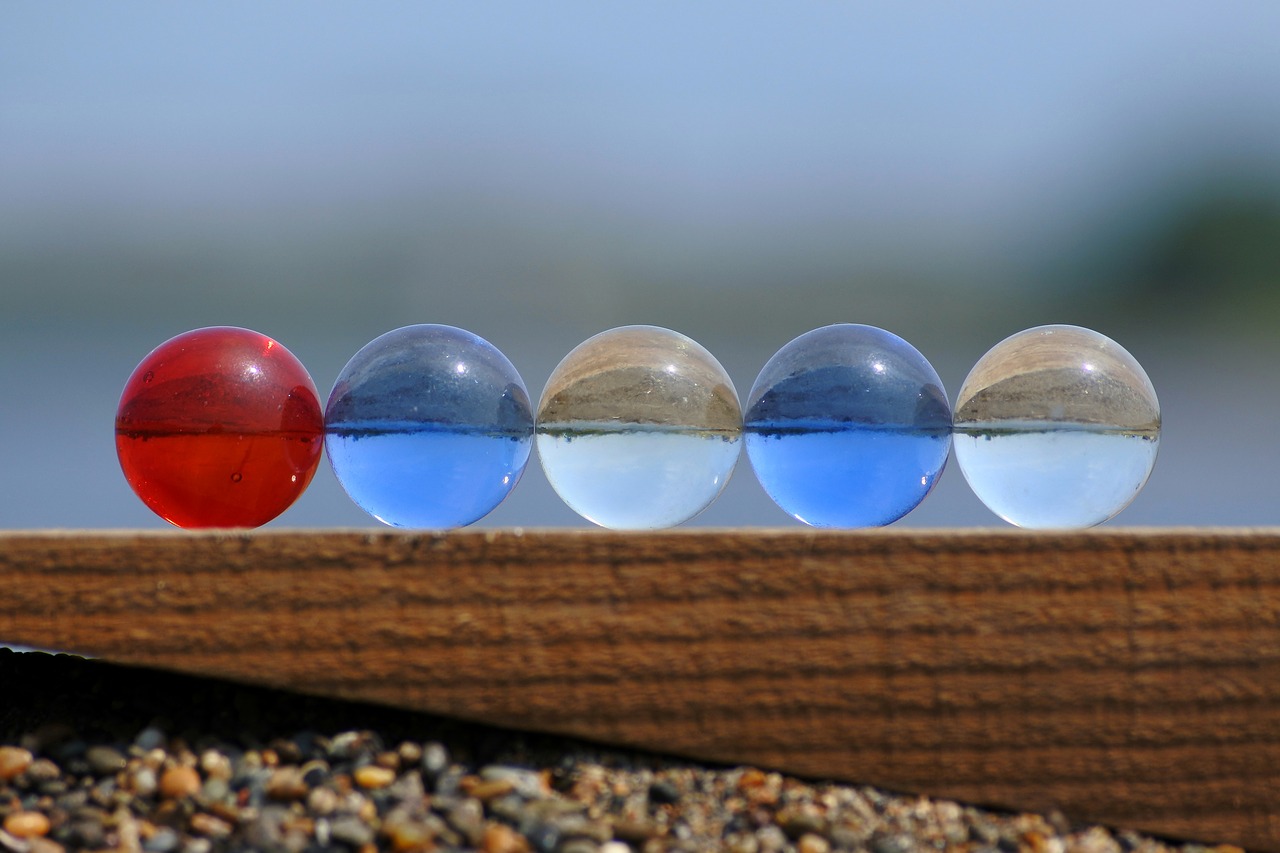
{"x":101,"y":757}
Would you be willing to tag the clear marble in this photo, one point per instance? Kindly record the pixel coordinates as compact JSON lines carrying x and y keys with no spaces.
{"x":1057,"y":427}
{"x":639,"y":428}
{"x":848,"y":426}
{"x":428,"y":426}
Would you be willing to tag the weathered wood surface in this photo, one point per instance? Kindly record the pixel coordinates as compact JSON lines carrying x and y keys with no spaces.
{"x":1130,"y":677}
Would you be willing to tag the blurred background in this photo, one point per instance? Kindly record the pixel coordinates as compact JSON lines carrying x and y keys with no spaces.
{"x":740,"y":172}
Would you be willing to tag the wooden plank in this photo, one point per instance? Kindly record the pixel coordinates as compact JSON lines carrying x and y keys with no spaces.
{"x":1130,"y":677}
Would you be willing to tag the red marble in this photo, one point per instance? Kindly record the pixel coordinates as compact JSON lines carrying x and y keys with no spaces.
{"x":219,"y":427}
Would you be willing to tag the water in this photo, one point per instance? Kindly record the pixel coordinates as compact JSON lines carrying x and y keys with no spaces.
{"x":1055,"y":476}
{"x":427,"y":476}
{"x":638,"y":477}
{"x":839,"y":476}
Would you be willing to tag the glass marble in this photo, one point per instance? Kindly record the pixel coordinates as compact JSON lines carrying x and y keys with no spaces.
{"x":428,"y":426}
{"x":219,"y":427}
{"x":848,"y":426}
{"x":1057,"y":427}
{"x":639,"y":428}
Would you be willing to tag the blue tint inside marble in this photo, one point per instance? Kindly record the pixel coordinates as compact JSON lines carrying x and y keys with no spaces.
{"x":848,"y":426}
{"x":428,"y":477}
{"x":844,"y":477}
{"x":428,"y":426}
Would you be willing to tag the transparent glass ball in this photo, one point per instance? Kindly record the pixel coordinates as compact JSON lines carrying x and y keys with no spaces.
{"x":428,"y":426}
{"x":639,"y":428}
{"x":1057,"y":427}
{"x":848,"y":426}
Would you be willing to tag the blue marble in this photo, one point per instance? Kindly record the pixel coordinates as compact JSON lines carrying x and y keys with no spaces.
{"x":428,"y":426}
{"x":848,"y":426}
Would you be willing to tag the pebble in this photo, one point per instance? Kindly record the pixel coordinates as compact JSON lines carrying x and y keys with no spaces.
{"x":450,"y":788}
{"x":810,"y":843}
{"x":487,"y":790}
{"x":26,"y":824}
{"x":527,"y":783}
{"x":663,"y":793}
{"x":150,"y":738}
{"x":350,"y":830}
{"x":13,"y":761}
{"x":322,"y":801}
{"x":163,"y":840}
{"x":104,"y":760}
{"x":286,"y":784}
{"x":42,"y":770}
{"x":374,"y":776}
{"x":435,"y":759}
{"x":209,"y":826}
{"x":216,"y":765}
{"x":500,"y":838}
{"x":467,"y":817}
{"x":179,"y":782}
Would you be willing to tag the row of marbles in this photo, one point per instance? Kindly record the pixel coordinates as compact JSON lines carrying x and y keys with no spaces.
{"x":639,"y":427}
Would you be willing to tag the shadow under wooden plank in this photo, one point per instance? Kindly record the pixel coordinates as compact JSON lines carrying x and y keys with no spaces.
{"x":1130,"y":677}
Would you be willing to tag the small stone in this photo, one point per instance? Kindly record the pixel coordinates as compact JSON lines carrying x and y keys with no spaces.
{"x":435,"y":759}
{"x":209,"y":826}
{"x":163,"y":840}
{"x":500,"y":838}
{"x":350,"y":830}
{"x":104,"y":760}
{"x":527,"y":783}
{"x":771,"y":839}
{"x":410,"y":753}
{"x":635,"y":831}
{"x":810,"y":843}
{"x":286,"y":784}
{"x":143,"y":781}
{"x":891,"y":844}
{"x":42,"y":770}
{"x":314,"y":773}
{"x":578,"y":845}
{"x":486,"y":790}
{"x":348,"y":745}
{"x":801,"y":819}
{"x":85,"y":833}
{"x":467,"y":817}
{"x":215,"y":765}
{"x":544,"y":837}
{"x":215,"y":791}
{"x":26,"y":824}
{"x":178,"y":782}
{"x":286,"y":751}
{"x":407,"y":833}
{"x":13,"y":761}
{"x":663,"y":793}
{"x":150,"y":738}
{"x":322,"y":801}
{"x":372,"y":777}
{"x":44,"y":845}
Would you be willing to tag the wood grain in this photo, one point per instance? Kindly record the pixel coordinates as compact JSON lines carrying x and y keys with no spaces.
{"x":1130,"y":677}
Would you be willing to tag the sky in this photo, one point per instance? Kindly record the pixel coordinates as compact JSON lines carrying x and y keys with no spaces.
{"x":742,"y":172}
